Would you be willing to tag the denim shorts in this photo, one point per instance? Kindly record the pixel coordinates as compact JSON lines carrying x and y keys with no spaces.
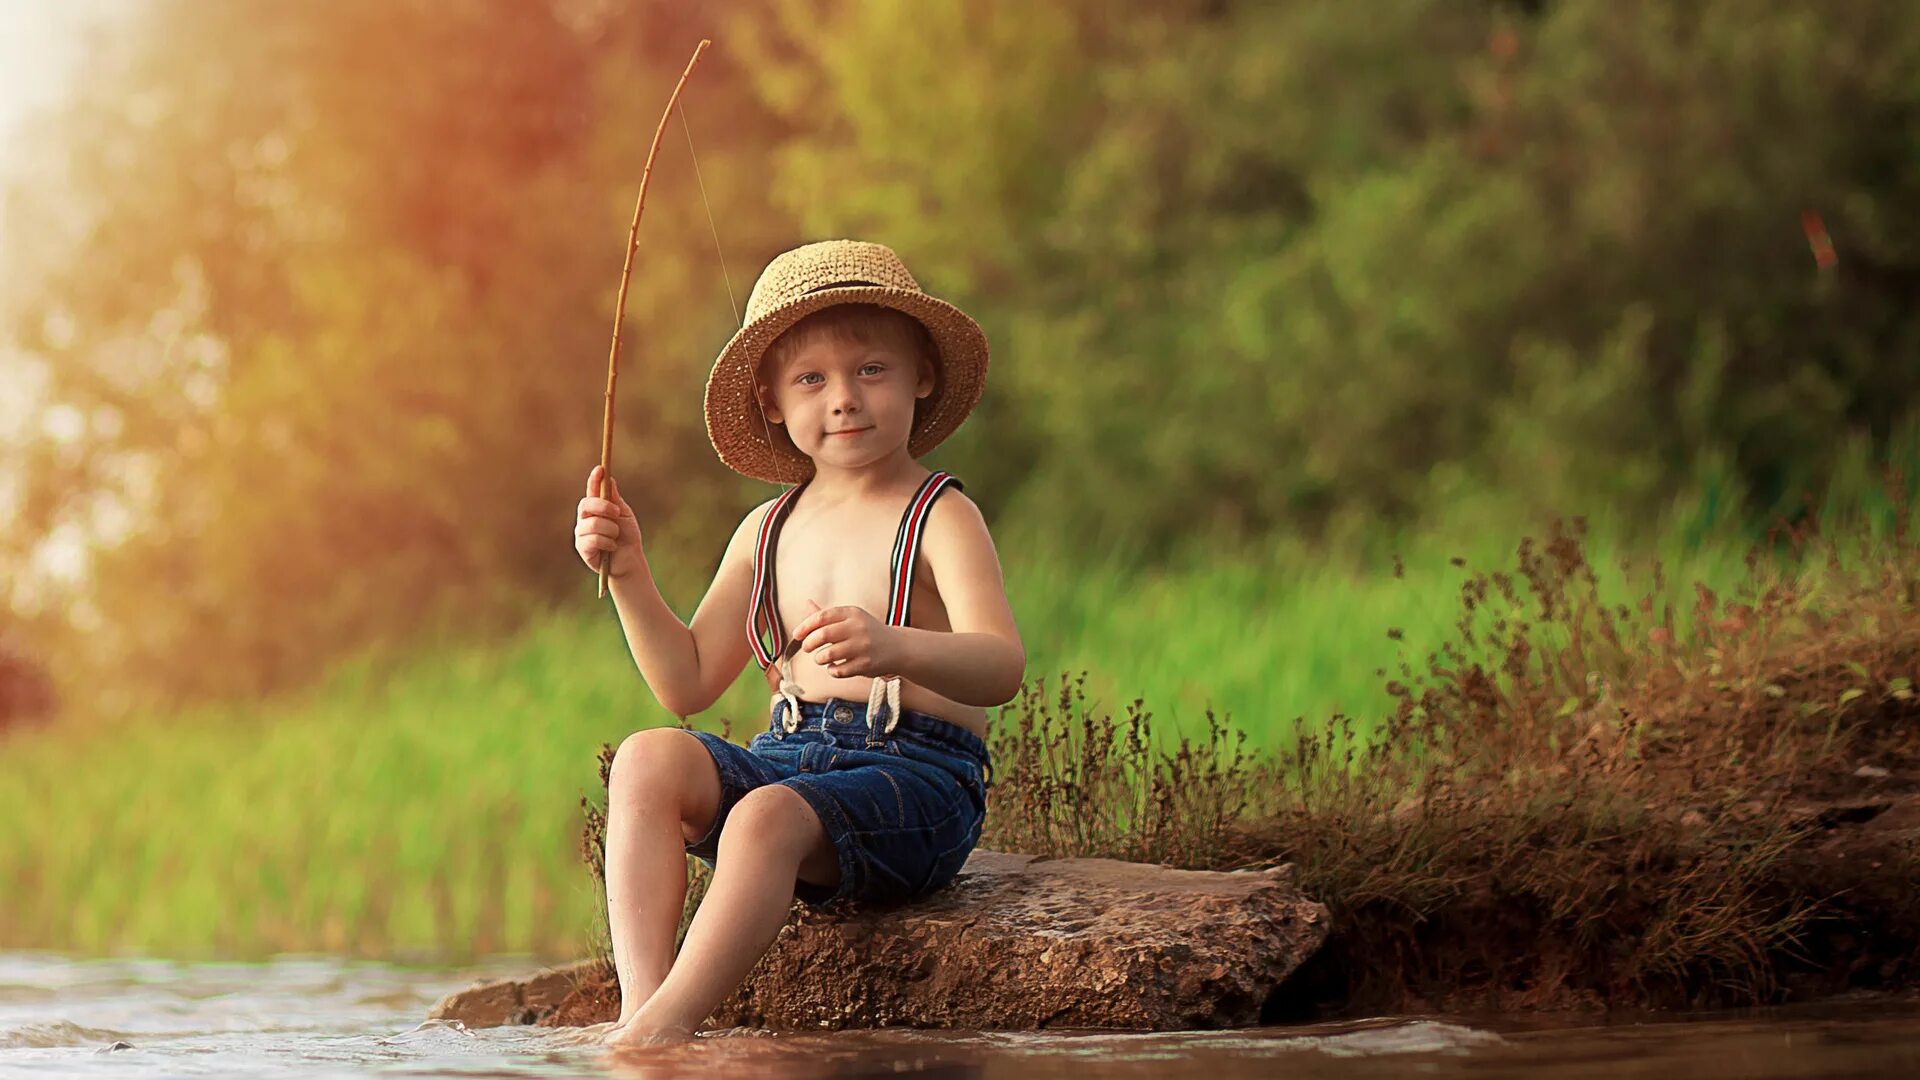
{"x":902,"y":815}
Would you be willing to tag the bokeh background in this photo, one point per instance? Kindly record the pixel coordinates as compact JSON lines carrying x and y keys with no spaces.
{"x":305,"y":311}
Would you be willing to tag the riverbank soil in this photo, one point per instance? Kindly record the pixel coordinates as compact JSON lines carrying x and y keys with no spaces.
{"x":1577,"y":809}
{"x":1836,"y":912}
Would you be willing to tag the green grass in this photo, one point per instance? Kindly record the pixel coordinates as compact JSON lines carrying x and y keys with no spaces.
{"x":430,"y":808}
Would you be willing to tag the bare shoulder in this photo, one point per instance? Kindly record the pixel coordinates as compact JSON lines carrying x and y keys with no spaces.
{"x":957,"y":542}
{"x":751,"y":522}
{"x":966,"y":568}
{"x":749,"y":528}
{"x":740,"y":545}
{"x":955,"y":518}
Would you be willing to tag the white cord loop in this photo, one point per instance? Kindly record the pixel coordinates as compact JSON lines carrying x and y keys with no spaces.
{"x":789,"y":690}
{"x":885,"y":690}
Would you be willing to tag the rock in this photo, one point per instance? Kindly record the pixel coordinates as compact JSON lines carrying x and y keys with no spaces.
{"x":1019,"y":942}
{"x":515,"y":1001}
{"x":1871,"y":772}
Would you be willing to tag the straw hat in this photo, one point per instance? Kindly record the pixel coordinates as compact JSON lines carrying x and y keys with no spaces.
{"x":798,"y":283}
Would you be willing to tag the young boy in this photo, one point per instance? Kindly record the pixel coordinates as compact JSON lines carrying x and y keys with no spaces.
{"x":887,"y":637}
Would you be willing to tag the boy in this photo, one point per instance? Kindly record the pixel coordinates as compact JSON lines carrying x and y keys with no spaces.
{"x":844,"y":373}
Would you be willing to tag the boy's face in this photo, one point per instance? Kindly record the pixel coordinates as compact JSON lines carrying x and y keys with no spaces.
{"x":829,"y":387}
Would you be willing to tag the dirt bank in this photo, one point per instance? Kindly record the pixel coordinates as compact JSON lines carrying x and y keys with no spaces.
{"x":1838,"y":906}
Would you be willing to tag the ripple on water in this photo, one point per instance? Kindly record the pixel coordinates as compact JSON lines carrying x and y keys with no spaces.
{"x":55,"y":1033}
{"x":320,"y":1017}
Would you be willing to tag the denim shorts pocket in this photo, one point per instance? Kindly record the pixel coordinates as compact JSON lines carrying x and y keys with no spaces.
{"x":947,"y":865}
{"x":889,"y":800}
{"x":785,"y":749}
{"x":971,"y":782}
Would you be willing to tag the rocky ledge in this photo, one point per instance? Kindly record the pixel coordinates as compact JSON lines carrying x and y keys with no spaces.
{"x":1015,"y":942}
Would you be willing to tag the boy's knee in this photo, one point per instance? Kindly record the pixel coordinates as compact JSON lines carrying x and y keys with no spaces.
{"x":653,"y":761}
{"x":770,"y":816}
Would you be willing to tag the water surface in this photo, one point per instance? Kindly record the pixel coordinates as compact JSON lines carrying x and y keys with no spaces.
{"x":309,"y":1017}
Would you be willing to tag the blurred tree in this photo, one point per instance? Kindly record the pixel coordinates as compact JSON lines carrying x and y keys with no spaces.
{"x":321,"y":288}
{"x":1254,"y":264}
{"x":333,"y":316}
{"x":26,"y":689}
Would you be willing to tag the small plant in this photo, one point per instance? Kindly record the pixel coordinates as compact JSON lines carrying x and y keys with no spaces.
{"x":1075,"y":783}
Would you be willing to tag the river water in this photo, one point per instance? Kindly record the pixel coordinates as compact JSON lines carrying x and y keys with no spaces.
{"x":302,"y":1017}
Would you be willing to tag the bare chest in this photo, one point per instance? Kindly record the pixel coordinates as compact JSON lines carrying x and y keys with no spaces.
{"x":844,"y":559}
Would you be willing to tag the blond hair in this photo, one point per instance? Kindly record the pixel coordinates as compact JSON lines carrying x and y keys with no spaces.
{"x":853,"y":324}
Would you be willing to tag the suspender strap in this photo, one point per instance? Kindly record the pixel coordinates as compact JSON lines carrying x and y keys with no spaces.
{"x":883,"y":696}
{"x":762,"y":612}
{"x":767,"y":637}
{"x":906,"y":545}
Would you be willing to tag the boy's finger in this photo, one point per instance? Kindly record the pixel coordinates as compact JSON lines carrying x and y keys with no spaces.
{"x":818,"y":618}
{"x":817,"y":640}
{"x":593,"y":480}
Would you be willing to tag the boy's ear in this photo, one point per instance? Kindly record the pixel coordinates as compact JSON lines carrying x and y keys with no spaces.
{"x":925,"y":384}
{"x":767,"y":407}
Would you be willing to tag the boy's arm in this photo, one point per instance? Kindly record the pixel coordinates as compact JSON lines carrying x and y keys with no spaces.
{"x":982,"y":661}
{"x":688,"y":668}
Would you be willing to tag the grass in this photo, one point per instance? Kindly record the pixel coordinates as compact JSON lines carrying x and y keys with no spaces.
{"x":1577,"y":802}
{"x":430,"y":809}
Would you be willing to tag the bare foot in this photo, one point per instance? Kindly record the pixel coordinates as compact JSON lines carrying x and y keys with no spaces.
{"x":612,"y":1031}
{"x":642,"y":1034}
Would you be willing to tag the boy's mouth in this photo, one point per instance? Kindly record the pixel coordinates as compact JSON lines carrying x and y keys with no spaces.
{"x":851,"y":431}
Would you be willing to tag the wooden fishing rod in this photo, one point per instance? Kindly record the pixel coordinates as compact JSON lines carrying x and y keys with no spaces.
{"x":620,"y":306}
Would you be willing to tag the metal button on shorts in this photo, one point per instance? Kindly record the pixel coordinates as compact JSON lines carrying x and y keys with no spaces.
{"x":843,"y":713}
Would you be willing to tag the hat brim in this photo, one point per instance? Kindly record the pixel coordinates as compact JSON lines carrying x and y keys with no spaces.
{"x":734,"y":418}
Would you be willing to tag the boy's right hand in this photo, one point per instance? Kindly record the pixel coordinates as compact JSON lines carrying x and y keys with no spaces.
{"x":607,"y":529}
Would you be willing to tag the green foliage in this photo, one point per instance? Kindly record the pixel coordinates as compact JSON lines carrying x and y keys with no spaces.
{"x":1282,"y":260}
{"x":429,"y":804}
{"x":1254,"y":273}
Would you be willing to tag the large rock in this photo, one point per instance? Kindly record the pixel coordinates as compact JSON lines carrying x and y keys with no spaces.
{"x":1021,"y":942}
{"x":517,"y":1001}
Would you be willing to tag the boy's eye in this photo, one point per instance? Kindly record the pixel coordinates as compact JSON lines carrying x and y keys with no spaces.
{"x":804,"y":376}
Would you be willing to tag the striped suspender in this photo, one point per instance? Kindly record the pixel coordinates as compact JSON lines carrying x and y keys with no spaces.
{"x":906,"y":546}
{"x":883,"y":694}
{"x":762,"y":611}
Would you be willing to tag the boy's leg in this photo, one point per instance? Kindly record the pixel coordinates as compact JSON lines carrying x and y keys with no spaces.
{"x":663,"y":793}
{"x":771,"y":839}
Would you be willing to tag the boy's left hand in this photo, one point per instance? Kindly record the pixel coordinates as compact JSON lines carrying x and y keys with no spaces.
{"x":848,"y":641}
